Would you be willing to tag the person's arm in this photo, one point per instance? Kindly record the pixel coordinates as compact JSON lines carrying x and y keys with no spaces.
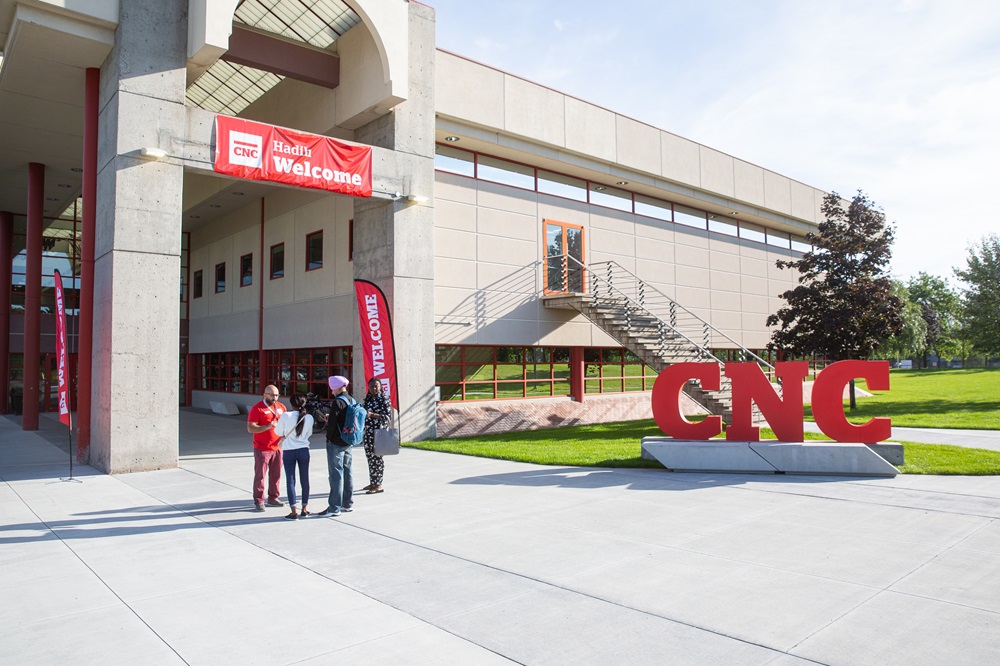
{"x":254,"y":426}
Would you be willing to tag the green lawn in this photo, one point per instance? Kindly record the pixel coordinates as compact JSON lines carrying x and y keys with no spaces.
{"x":618,"y":445}
{"x":968,"y":398}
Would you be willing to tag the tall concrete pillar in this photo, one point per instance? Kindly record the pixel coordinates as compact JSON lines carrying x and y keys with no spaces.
{"x":394,"y":241}
{"x":138,"y":241}
{"x":6,"y":250}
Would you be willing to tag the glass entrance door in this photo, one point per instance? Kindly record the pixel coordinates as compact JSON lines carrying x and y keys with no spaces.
{"x":565,"y":271}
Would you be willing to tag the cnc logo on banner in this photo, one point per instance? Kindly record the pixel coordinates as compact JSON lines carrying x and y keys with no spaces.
{"x":783,"y":412}
{"x":255,"y":151}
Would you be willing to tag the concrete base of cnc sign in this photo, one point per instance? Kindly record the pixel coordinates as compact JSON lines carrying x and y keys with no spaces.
{"x":836,"y":458}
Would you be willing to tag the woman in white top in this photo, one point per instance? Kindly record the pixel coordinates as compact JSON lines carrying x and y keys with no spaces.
{"x":296,"y":426}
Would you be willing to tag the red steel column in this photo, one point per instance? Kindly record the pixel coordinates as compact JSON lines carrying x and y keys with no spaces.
{"x":577,"y":369}
{"x":85,"y":346}
{"x":261,"y":354}
{"x":33,"y":294}
{"x":6,"y":247}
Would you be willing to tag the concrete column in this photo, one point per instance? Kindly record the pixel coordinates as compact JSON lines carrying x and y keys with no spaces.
{"x":6,"y":249}
{"x":33,"y":293}
{"x":138,"y":241}
{"x":394,"y":241}
{"x":85,"y":346}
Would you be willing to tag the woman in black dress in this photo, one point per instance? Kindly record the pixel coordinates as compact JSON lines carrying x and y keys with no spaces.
{"x":379,"y":416}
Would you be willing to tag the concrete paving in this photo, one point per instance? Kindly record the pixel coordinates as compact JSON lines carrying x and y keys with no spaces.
{"x":976,"y":439}
{"x":466,"y":560}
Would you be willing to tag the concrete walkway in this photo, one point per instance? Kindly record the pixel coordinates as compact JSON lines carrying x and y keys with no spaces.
{"x":976,"y":439}
{"x":466,"y":560}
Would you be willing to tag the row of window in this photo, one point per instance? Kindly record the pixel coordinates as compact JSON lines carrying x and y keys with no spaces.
{"x":497,"y":170}
{"x":314,"y":261}
{"x":291,"y":370}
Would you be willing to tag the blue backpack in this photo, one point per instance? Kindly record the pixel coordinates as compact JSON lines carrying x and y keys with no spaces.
{"x":352,"y":421}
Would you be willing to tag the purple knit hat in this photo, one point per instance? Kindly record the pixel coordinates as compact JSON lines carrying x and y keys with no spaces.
{"x":338,"y":382}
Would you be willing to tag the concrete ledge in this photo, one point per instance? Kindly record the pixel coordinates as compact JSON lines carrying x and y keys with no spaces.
{"x":223,"y":407}
{"x":767,"y":457}
{"x":891,"y":452}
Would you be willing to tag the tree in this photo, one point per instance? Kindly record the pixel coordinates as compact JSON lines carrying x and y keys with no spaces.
{"x":982,"y":297}
{"x":942,"y":308}
{"x":843,"y":306}
{"x":911,"y":339}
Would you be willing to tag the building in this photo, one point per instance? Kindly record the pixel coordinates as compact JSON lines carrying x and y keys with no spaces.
{"x":494,"y":201}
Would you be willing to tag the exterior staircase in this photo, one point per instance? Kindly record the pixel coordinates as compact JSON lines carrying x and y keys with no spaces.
{"x":652,"y":326}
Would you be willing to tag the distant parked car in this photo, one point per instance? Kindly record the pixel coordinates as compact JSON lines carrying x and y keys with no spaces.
{"x":905,"y":364}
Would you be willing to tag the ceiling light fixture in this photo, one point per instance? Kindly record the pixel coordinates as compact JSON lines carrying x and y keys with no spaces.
{"x":622,"y":182}
{"x":76,"y":169}
{"x":734,"y":213}
{"x":599,"y":188}
{"x":52,"y":198}
{"x":237,"y":194}
{"x":214,"y":206}
{"x":451,"y":139}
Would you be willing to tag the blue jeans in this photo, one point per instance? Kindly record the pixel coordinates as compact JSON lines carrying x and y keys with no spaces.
{"x":290,"y":459}
{"x":338,"y":460}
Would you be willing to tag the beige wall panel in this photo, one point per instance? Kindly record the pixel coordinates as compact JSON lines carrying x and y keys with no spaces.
{"x":247,"y":242}
{"x":725,"y":301}
{"x":755,"y":305}
{"x":754,"y":285}
{"x":638,"y":145}
{"x":610,"y":242}
{"x":453,"y":244}
{"x":655,"y":272}
{"x":506,"y":277}
{"x":716,"y":171}
{"x":690,"y":237}
{"x":752,"y":250}
{"x":599,"y":338}
{"x":656,"y":250}
{"x":718,"y":243}
{"x":533,"y":111}
{"x":668,"y":289}
{"x":454,"y":305}
{"x":723,"y":281}
{"x":694,"y":298}
{"x":574,"y":333}
{"x":315,"y":216}
{"x":753,"y":267}
{"x":777,"y":193}
{"x":646,"y":227}
{"x":749,"y":180}
{"x":343,"y":267}
{"x":590,"y":130}
{"x":507,"y":331}
{"x":453,"y":215}
{"x":468,"y":90}
{"x":691,"y":276}
{"x":777,"y":287}
{"x":693,"y":256}
{"x":506,"y":198}
{"x":623,"y":261}
{"x":803,"y":201}
{"x":563,"y":210}
{"x":220,"y":252}
{"x":680,"y":159}
{"x":319,"y":323}
{"x":612,"y":220}
{"x":510,"y":251}
{"x":454,"y":334}
{"x":756,"y":339}
{"x":729,"y":322}
{"x":281,"y":201}
{"x":818,"y":196}
{"x":452,"y":187}
{"x":506,"y":305}
{"x":223,"y":333}
{"x":453,"y":272}
{"x":493,"y":222}
{"x":724,"y":262}
{"x":280,"y":230}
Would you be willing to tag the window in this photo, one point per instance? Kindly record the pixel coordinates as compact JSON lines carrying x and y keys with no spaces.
{"x":198,"y":281}
{"x":232,"y":372}
{"x":690,"y":217}
{"x":488,"y":373}
{"x":615,"y":370}
{"x":314,"y":251}
{"x":800,"y":244}
{"x":564,"y":258}
{"x":778,"y":239}
{"x":610,"y":197}
{"x":246,"y":270}
{"x":562,"y":186}
{"x":660,"y":210}
{"x":307,"y":370}
{"x":721,"y":225}
{"x":220,"y":278}
{"x":277,"y":261}
{"x":454,"y":160}
{"x":751,"y":232}
{"x":505,"y":173}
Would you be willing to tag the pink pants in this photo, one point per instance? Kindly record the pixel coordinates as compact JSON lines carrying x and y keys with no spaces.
{"x":271,"y":460}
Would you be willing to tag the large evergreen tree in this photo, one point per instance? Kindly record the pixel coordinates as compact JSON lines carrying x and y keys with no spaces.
{"x":982,"y":297}
{"x":941,"y":308}
{"x":844,"y":306}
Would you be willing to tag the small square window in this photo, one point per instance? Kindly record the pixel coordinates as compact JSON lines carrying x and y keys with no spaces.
{"x":246,"y":270}
{"x":220,"y":278}
{"x":314,"y":251}
{"x":198,"y":283}
{"x":277,"y":261}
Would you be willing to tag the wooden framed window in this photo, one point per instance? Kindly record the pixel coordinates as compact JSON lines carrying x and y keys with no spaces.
{"x":565,"y":263}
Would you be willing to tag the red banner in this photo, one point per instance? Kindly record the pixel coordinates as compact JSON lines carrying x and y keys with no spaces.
{"x":255,"y":151}
{"x":377,"y":344}
{"x":62,"y":355}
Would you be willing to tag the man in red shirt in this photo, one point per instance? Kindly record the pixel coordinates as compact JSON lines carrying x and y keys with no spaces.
{"x":261,"y":421}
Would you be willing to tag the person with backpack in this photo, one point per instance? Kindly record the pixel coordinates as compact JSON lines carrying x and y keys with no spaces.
{"x":345,"y":429}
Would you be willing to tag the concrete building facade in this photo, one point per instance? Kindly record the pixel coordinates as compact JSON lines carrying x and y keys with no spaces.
{"x":493,"y":198}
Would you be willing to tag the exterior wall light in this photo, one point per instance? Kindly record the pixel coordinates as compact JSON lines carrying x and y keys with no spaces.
{"x":153,"y":153}
{"x":416,"y":198}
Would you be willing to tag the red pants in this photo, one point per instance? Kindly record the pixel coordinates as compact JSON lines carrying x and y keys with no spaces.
{"x":271,"y":460}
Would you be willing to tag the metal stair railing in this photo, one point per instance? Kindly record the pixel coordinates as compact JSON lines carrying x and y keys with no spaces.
{"x":614,"y":287}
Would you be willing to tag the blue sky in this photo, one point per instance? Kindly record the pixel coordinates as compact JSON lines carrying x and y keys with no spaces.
{"x":900,"y":98}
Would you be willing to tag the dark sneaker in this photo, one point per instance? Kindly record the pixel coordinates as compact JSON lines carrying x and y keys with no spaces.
{"x":294,"y":515}
{"x":347,"y":509}
{"x":328,"y":512}
{"x":275,"y":502}
{"x":257,"y":506}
